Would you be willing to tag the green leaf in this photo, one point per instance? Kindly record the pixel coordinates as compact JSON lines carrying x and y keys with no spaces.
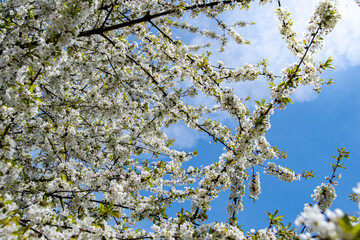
{"x":345,"y":224}
{"x":327,"y":64}
{"x":32,"y":88}
{"x":115,"y":214}
{"x":37,"y":99}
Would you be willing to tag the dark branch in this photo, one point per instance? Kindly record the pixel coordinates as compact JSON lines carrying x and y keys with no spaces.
{"x":149,"y":17}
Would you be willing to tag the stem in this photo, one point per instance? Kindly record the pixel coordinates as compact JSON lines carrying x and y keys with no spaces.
{"x":148,"y":17}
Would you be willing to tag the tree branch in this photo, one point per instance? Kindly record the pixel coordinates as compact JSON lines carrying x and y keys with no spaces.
{"x":148,"y":17}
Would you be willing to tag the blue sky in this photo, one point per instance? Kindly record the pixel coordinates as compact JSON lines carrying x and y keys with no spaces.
{"x":309,"y":130}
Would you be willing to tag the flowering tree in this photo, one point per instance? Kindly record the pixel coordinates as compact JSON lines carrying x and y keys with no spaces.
{"x":87,"y":89}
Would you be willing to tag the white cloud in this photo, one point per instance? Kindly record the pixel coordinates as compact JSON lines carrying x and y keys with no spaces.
{"x":304,"y":94}
{"x":185,"y":138}
{"x":343,"y":45}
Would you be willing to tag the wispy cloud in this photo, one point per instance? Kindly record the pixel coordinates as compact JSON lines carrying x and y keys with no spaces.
{"x":185,"y":137}
{"x":304,"y":94}
{"x":266,"y":43}
{"x":342,"y":44}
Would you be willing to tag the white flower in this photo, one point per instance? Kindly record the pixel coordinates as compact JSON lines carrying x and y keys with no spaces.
{"x":324,"y":195}
{"x":254,"y":186}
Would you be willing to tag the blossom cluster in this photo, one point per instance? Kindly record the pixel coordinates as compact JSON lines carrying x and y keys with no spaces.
{"x":282,"y":173}
{"x":325,"y":225}
{"x":324,"y":195}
